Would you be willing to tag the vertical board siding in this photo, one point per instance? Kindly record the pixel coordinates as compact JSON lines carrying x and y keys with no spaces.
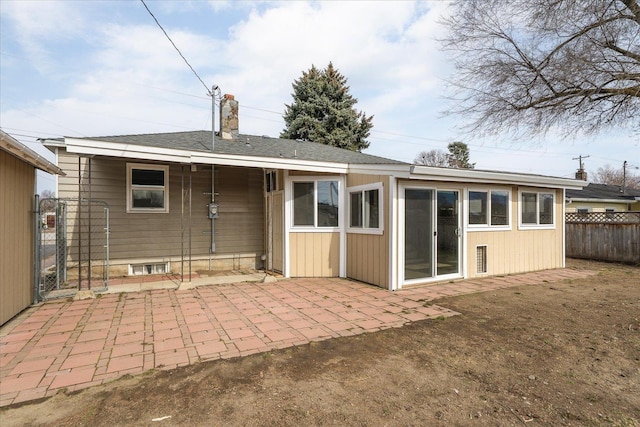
{"x":238,"y":229}
{"x":314,"y":254}
{"x":368,"y":254}
{"x":518,"y":250}
{"x":17,"y":180}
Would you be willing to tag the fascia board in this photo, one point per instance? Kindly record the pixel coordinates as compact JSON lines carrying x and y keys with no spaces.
{"x":399,"y":171}
{"x":130,"y":154}
{"x":268,"y":163}
{"x":87,"y":146}
{"x":485,"y":177}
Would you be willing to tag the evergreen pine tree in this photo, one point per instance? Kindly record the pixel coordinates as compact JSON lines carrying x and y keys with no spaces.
{"x":458,"y":156}
{"x":322,"y":111}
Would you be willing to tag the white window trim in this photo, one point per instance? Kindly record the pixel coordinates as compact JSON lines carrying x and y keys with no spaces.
{"x":361,"y":189}
{"x":165,"y":168}
{"x":537,"y":226}
{"x":314,"y":228}
{"x":488,"y":227}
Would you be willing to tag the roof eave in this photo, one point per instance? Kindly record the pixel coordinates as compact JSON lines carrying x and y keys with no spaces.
{"x":490,"y":177}
{"x":102,"y":148}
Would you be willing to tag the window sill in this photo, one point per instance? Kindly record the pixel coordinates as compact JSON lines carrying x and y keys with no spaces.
{"x":536,"y":227}
{"x":300,"y":229}
{"x":147,"y":211}
{"x":374,"y":231}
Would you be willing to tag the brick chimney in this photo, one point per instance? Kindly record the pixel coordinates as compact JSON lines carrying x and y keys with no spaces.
{"x":581,"y":174}
{"x":229,"y":127}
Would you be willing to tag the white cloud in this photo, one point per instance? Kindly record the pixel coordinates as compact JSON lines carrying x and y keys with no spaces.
{"x":38,"y":24}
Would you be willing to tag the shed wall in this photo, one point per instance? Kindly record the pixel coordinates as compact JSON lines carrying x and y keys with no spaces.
{"x":17,"y":183}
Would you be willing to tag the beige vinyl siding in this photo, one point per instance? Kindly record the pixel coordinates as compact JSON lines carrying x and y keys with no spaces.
{"x":598,"y":207}
{"x":239,"y":228}
{"x":17,"y":180}
{"x":314,"y":254}
{"x":368,"y":254}
{"x":518,"y":250}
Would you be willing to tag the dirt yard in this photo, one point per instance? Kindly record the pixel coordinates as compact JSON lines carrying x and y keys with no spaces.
{"x":559,"y":354}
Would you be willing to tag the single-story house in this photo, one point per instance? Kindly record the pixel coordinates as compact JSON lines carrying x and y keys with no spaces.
{"x":309,"y":210}
{"x":603,"y":198}
{"x":18,"y":165}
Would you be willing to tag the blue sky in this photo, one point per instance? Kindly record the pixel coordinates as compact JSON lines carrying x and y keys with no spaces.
{"x":92,"y":68}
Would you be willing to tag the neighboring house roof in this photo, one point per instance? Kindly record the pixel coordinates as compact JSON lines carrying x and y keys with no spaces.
{"x":24,"y":153}
{"x":604,"y":193}
{"x":266,"y":152}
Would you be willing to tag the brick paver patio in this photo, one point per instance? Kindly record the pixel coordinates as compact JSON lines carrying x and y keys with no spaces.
{"x":77,"y":344}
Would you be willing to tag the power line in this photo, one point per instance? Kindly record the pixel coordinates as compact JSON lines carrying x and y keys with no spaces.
{"x":176,"y":47}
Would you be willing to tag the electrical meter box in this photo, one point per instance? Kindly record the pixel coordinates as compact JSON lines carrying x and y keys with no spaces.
{"x":213,"y":210}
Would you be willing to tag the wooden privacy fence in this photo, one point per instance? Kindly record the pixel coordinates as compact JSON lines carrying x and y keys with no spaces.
{"x":603,"y":236}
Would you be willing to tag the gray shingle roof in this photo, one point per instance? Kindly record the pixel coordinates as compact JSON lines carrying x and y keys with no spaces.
{"x":603,"y":191}
{"x":248,"y":145}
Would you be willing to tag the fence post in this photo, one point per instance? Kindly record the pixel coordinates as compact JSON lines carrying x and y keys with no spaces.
{"x":36,"y":248}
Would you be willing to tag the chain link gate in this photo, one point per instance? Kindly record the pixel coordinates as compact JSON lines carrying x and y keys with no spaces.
{"x":72,"y":251}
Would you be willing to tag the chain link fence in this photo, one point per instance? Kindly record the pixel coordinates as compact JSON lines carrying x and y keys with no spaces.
{"x":72,"y":247}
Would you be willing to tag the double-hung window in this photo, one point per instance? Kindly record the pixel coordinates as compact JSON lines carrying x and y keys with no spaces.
{"x":315,"y":203}
{"x":489,"y":208}
{"x":365,"y":209}
{"x":537,"y":209}
{"x":147,"y":188}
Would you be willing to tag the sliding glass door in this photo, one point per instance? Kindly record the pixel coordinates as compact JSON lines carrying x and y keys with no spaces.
{"x":431,"y":231}
{"x":418,"y":233}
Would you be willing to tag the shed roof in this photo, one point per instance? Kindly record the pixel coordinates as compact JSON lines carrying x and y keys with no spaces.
{"x":24,"y":153}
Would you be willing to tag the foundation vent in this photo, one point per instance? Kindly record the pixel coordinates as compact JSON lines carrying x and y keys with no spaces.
{"x":146,"y":269}
{"x":481,"y":259}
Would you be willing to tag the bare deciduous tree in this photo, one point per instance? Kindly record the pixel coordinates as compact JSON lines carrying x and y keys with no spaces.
{"x":432,"y":158}
{"x":524,"y":66}
{"x":615,"y":176}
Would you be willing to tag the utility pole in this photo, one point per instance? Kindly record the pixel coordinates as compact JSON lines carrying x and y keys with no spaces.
{"x":624,"y":177}
{"x":581,"y":174}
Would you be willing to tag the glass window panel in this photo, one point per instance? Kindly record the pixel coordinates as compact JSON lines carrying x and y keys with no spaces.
{"x":418,"y":234}
{"x":356,"y":210}
{"x":477,"y":207}
{"x":529,"y":208}
{"x":147,"y":177}
{"x":499,"y":208}
{"x":328,"y":203}
{"x":546,"y":208}
{"x":371,"y":209}
{"x":303,"y":203}
{"x":147,"y":198}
